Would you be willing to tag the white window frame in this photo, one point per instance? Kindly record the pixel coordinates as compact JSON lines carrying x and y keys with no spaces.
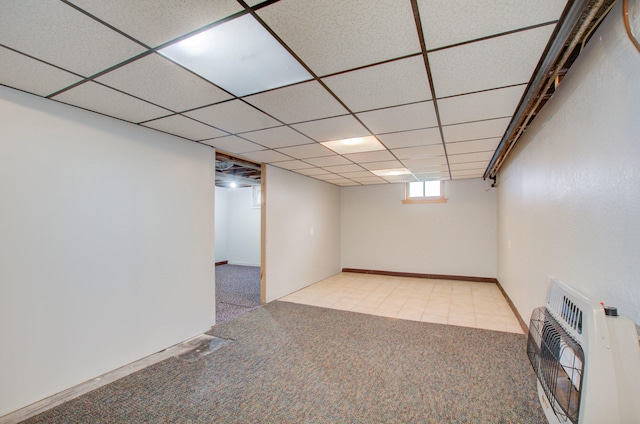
{"x":424,"y":199}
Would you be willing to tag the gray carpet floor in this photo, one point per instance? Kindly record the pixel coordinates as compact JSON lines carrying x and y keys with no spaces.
{"x":237,"y":291}
{"x":290,"y":363}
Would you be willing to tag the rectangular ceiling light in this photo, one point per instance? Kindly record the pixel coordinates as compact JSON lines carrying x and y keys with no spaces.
{"x":354,"y":145}
{"x":391,"y":172}
{"x":239,"y":56}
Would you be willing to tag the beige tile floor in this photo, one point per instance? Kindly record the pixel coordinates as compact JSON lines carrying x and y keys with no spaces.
{"x":463,"y":303}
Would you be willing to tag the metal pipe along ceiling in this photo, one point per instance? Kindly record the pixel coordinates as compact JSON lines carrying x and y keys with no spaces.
{"x":574,"y":27}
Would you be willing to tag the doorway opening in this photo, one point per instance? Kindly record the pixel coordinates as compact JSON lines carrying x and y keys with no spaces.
{"x":239,"y":229}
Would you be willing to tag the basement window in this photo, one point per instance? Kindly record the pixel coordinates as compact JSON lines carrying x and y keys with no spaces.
{"x":424,"y":192}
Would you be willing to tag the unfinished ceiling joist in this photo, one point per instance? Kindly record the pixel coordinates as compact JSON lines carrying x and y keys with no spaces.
{"x":576,"y":24}
{"x":241,"y":181}
{"x":231,"y":169}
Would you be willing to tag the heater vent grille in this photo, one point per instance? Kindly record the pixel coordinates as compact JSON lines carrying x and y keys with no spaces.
{"x":567,"y":310}
{"x":558,"y":359}
{"x":572,"y":314}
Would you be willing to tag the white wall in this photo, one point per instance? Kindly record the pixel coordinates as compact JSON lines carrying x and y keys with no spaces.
{"x":237,"y":227}
{"x":296,"y":256}
{"x":106,"y":245}
{"x":453,"y":238}
{"x":569,"y":197}
{"x":244,"y":228}
{"x":222,"y":223}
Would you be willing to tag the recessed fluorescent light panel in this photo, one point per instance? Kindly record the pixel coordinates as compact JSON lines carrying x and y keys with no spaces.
{"x":354,"y":145}
{"x":391,"y":172}
{"x":240,"y":56}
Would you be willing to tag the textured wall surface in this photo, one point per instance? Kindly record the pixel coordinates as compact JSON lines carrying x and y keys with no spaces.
{"x":244,"y":228}
{"x":302,"y":231}
{"x":570,"y":194}
{"x":106,"y":245}
{"x":453,"y":238}
{"x":222,"y":223}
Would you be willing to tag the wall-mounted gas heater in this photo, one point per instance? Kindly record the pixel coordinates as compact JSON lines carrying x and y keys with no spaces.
{"x":587,"y":359}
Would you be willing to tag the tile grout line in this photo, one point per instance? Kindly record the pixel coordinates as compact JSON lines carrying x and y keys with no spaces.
{"x":353,"y":286}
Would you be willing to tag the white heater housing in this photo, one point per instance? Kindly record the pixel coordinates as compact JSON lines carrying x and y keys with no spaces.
{"x":587,"y":362}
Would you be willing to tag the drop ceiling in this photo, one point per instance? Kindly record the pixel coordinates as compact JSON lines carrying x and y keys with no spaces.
{"x":430,"y":84}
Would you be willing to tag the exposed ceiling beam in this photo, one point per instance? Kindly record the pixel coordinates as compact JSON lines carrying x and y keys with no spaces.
{"x":220,"y":176}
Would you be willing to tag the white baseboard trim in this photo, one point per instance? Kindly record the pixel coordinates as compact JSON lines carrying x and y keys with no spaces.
{"x":243,"y":263}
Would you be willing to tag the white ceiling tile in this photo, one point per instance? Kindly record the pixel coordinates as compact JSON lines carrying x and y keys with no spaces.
{"x":329,"y":177}
{"x":419,"y":152}
{"x":426,"y":165}
{"x":184,"y":127}
{"x":390,"y":84}
{"x":481,"y":18}
{"x":429,"y":169}
{"x":30,"y":75}
{"x":471,"y":157}
{"x":400,"y":118}
{"x":432,"y":176}
{"x":233,"y":116}
{"x":292,"y":164}
{"x":336,"y":35}
{"x":468,"y":177}
{"x":342,"y":182}
{"x":475,"y":130}
{"x":411,"y":138}
{"x":233,"y":144}
{"x":164,"y":83}
{"x":292,"y":104}
{"x":427,"y":162}
{"x":370,"y":180}
{"x":491,"y":104}
{"x":459,"y":175}
{"x":98,"y":98}
{"x":400,"y":178}
{"x":340,"y":169}
{"x":358,"y":174}
{"x":388,"y":164}
{"x":266,"y":156}
{"x":492,"y":63}
{"x":328,"y":161}
{"x":468,"y":165}
{"x":311,"y":171}
{"x":306,"y":151}
{"x":324,"y":175}
{"x":61,"y":35}
{"x":277,"y":137}
{"x":364,"y":157}
{"x":469,"y":172}
{"x":155,"y":22}
{"x":337,"y":128}
{"x":484,"y":145}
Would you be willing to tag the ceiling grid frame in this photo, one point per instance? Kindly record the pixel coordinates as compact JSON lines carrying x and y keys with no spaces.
{"x":425,"y":56}
{"x":335,"y":171}
{"x":311,"y":72}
